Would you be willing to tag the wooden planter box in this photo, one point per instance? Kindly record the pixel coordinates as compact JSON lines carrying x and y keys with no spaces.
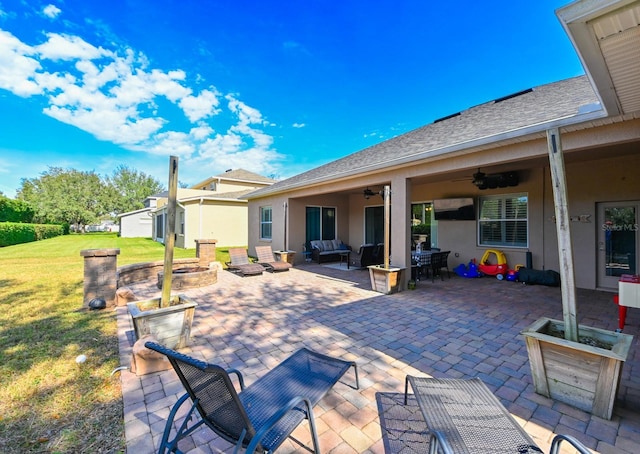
{"x":385,"y":280}
{"x":581,"y":375}
{"x":171,"y":326}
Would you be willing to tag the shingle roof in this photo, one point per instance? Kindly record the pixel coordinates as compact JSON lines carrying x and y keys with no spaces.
{"x":244,"y":175}
{"x":510,"y":113}
{"x":236,"y":195}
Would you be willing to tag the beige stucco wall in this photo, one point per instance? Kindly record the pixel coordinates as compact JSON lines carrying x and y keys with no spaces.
{"x":223,"y":221}
{"x":602,"y":164}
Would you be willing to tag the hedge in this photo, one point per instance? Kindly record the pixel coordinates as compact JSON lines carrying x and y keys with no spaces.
{"x":15,"y":210}
{"x":17,"y":233}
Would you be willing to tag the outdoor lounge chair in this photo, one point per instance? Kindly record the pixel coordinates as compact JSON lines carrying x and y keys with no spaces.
{"x":266,"y":259}
{"x":262,"y":415}
{"x":464,"y":416}
{"x":240,"y":263}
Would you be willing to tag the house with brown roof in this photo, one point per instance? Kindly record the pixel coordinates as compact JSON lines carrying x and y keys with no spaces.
{"x":495,"y":157}
{"x":213,"y":209}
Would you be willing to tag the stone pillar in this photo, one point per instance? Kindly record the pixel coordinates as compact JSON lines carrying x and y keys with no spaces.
{"x":206,"y":252}
{"x":100,"y":274}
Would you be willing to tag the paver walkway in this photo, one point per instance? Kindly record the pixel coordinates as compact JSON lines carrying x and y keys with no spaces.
{"x":452,"y":328}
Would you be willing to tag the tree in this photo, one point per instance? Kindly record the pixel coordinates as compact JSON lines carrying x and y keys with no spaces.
{"x":66,"y":196}
{"x":129,"y":188}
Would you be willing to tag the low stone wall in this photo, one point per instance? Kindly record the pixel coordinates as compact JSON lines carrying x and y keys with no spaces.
{"x":137,"y":272}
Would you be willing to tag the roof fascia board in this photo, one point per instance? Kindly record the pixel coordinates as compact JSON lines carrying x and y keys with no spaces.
{"x":482,"y":141}
{"x":575,"y":18}
{"x":215,"y":199}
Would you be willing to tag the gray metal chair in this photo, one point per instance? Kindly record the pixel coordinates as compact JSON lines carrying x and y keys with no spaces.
{"x":261,"y":416}
{"x":463,"y":416}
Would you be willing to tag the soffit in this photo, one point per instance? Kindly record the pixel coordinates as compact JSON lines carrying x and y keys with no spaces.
{"x":606,"y":35}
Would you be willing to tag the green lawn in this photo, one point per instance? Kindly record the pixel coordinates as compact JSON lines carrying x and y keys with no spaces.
{"x":48,"y":403}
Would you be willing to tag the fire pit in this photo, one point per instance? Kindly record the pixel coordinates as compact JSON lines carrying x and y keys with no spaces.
{"x":191,"y":277}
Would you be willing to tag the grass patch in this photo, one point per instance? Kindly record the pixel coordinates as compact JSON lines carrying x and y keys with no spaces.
{"x":48,"y":403}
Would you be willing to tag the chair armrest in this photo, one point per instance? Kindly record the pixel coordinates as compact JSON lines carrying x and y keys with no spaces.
{"x":438,"y":440}
{"x":558,"y":439}
{"x":255,"y":441}
{"x":238,"y":374}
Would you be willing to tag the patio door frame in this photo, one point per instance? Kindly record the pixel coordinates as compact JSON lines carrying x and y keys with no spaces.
{"x":605,"y":279}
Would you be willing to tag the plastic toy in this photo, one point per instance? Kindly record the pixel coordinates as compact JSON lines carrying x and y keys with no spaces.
{"x":470,"y":271}
{"x":499,"y":268}
{"x":512,"y":275}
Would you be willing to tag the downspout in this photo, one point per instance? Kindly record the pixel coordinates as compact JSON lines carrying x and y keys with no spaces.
{"x":200,"y":218}
{"x":285,"y":206}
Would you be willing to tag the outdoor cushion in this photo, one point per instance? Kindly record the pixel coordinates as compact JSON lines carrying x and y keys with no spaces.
{"x":317,"y":244}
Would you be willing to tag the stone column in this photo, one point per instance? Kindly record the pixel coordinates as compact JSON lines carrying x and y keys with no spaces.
{"x":100,"y":274}
{"x":206,"y":252}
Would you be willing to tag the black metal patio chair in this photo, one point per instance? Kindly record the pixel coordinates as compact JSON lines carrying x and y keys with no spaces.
{"x":439,"y":261}
{"x":262,"y":415}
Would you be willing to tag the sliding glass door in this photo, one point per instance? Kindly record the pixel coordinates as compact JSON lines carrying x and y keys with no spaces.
{"x":374,"y":225}
{"x":320,"y":223}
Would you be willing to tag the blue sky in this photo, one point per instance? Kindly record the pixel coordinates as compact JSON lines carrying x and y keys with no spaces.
{"x":275,"y":87}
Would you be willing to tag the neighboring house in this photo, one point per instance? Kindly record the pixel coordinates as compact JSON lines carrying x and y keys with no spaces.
{"x":138,"y":223}
{"x":214,"y":209}
{"x":496,"y":154}
{"x":103,"y":226}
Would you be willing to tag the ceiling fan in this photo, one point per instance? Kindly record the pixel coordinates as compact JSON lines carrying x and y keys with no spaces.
{"x":494,"y":180}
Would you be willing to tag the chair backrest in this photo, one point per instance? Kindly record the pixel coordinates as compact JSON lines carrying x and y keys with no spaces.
{"x":238,"y":256}
{"x":211,"y":388}
{"x":444,"y":257}
{"x":367,"y":251}
{"x":265,"y":254}
{"x":436,"y":260}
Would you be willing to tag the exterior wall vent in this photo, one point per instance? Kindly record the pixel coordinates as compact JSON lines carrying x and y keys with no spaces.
{"x":514,"y":95}
{"x":447,"y":117}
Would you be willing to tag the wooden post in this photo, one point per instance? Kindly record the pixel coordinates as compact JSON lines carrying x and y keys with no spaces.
{"x":170,"y":230}
{"x":560,"y":197}
{"x":387,"y":223}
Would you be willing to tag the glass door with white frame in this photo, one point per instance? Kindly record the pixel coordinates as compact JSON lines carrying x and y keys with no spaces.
{"x":617,"y":241}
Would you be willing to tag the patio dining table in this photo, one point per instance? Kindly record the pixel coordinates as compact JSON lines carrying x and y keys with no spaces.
{"x":421,"y":260}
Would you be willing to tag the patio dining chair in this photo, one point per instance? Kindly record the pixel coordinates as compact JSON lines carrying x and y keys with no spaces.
{"x":268,"y":261}
{"x":439,"y":261}
{"x":262,"y":415}
{"x":239,"y":263}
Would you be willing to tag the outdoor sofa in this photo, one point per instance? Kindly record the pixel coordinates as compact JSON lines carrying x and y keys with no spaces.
{"x":327,"y":250}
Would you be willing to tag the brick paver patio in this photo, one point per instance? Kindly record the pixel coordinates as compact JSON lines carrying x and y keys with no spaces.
{"x":453,"y":328}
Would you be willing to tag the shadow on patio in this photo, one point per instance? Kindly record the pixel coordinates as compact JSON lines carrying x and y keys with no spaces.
{"x":456,"y":328}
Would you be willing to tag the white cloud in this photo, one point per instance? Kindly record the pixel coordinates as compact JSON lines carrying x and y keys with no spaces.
{"x":51,"y":11}
{"x":17,"y":67}
{"x":114,"y":95}
{"x":171,"y":143}
{"x":201,"y":106}
{"x":65,"y":47}
{"x":201,"y":132}
{"x":299,"y":125}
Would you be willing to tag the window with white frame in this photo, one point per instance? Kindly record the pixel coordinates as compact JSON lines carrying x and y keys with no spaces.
{"x":265,"y":223}
{"x":503,"y":220}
